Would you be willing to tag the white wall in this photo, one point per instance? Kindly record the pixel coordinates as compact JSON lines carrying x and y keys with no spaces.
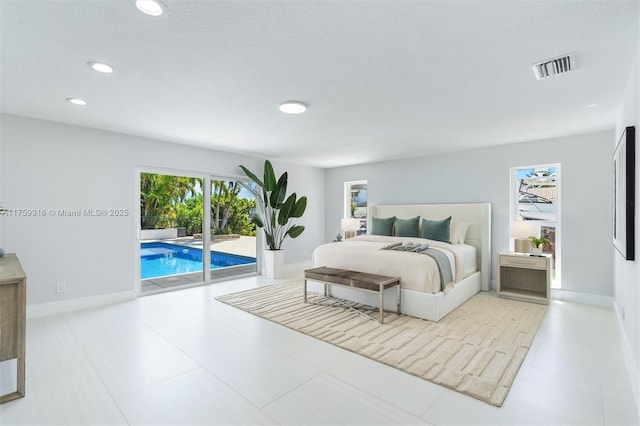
{"x":482,"y":175}
{"x":46,"y":165}
{"x":627,"y":273}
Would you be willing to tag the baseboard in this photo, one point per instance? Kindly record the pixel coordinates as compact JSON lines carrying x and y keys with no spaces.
{"x":632,"y":367}
{"x":584,"y":298}
{"x":292,"y":270}
{"x":54,"y":308}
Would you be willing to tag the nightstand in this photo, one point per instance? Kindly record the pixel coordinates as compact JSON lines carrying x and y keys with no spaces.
{"x":526,"y":277}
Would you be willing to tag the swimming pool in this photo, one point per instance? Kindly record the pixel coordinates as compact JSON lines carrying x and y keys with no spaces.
{"x":162,"y":259}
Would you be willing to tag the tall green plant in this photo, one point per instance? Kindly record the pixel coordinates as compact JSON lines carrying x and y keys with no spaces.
{"x":276,"y":213}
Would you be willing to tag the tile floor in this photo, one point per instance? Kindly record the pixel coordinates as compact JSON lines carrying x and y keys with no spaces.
{"x":183,"y":358}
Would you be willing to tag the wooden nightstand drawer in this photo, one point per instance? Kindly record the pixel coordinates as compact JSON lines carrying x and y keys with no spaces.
{"x":523,"y":261}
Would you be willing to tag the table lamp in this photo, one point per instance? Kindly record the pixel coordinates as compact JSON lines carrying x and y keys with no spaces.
{"x":350,"y":226}
{"x":520,"y":231}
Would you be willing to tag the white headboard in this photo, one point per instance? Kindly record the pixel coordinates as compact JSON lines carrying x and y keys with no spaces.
{"x":478,"y":215}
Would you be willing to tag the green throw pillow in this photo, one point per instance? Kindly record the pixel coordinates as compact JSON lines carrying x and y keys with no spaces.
{"x":439,"y":230}
{"x":407,"y":227}
{"x":382,"y":226}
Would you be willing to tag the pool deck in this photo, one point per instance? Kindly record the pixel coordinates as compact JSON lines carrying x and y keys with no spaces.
{"x":244,"y":246}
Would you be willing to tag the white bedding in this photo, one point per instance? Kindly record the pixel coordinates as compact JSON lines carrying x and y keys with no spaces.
{"x":417,"y":271}
{"x":469,"y":254}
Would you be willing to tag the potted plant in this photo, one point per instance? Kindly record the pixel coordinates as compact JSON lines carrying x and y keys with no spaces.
{"x":275,"y":214}
{"x":538,"y":243}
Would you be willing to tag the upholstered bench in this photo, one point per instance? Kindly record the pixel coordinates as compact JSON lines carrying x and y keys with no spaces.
{"x":354,"y":279}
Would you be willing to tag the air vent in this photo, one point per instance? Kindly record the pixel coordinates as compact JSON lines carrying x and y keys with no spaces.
{"x":555,"y":66}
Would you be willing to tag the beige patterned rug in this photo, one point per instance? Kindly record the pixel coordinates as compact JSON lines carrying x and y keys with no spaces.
{"x":476,"y":350}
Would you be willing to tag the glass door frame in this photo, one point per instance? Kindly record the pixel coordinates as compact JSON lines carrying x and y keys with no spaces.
{"x":259,"y":234}
{"x":206,"y":219}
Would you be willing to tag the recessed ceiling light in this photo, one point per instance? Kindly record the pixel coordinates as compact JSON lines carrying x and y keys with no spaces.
{"x":101,"y":67}
{"x":150,"y":7}
{"x":592,"y":105}
{"x":293,"y":107}
{"x":77,"y":101}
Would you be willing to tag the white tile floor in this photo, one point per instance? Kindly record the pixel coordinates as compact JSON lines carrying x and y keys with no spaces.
{"x":184,"y":358}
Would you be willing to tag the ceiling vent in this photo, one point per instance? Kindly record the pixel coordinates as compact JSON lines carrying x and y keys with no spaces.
{"x":555,"y":66}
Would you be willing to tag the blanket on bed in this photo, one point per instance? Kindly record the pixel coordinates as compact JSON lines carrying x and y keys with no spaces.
{"x":444,"y":267}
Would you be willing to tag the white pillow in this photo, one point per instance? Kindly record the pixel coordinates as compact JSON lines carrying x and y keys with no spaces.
{"x":459,"y":232}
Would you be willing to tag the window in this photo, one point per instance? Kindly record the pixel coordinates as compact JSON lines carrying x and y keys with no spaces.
{"x":355,"y":205}
{"x":535,"y":199}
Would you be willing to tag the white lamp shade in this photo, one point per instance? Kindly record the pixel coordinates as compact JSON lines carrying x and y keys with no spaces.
{"x":520,"y":231}
{"x":524,"y":229}
{"x":350,"y":224}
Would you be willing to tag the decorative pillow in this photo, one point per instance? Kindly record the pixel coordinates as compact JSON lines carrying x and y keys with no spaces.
{"x":459,"y":232}
{"x":407,"y":227}
{"x":382,"y":226}
{"x":439,"y":230}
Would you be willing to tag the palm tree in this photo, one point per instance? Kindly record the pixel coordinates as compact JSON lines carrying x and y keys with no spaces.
{"x":159,"y":195}
{"x":222,"y":201}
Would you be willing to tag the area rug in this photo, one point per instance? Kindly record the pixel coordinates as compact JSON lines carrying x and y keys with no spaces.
{"x":476,"y":350}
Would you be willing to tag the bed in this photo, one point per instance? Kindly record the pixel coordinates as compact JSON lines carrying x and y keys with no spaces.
{"x":424,"y":294}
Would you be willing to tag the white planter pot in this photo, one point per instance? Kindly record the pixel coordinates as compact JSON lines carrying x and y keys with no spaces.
{"x":536,"y":250}
{"x":274,"y":263}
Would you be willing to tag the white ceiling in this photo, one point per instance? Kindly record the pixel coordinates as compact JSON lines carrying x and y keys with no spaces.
{"x":383,"y":79}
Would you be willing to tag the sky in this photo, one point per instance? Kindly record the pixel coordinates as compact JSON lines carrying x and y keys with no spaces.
{"x":524,"y":172}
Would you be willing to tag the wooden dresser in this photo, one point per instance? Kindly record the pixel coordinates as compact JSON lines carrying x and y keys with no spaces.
{"x":13,"y":318}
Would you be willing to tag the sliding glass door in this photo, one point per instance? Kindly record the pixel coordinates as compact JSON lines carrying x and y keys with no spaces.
{"x":171,"y":223}
{"x":183,"y":217}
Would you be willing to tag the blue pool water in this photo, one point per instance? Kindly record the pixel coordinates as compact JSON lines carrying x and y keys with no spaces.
{"x":161,"y":259}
